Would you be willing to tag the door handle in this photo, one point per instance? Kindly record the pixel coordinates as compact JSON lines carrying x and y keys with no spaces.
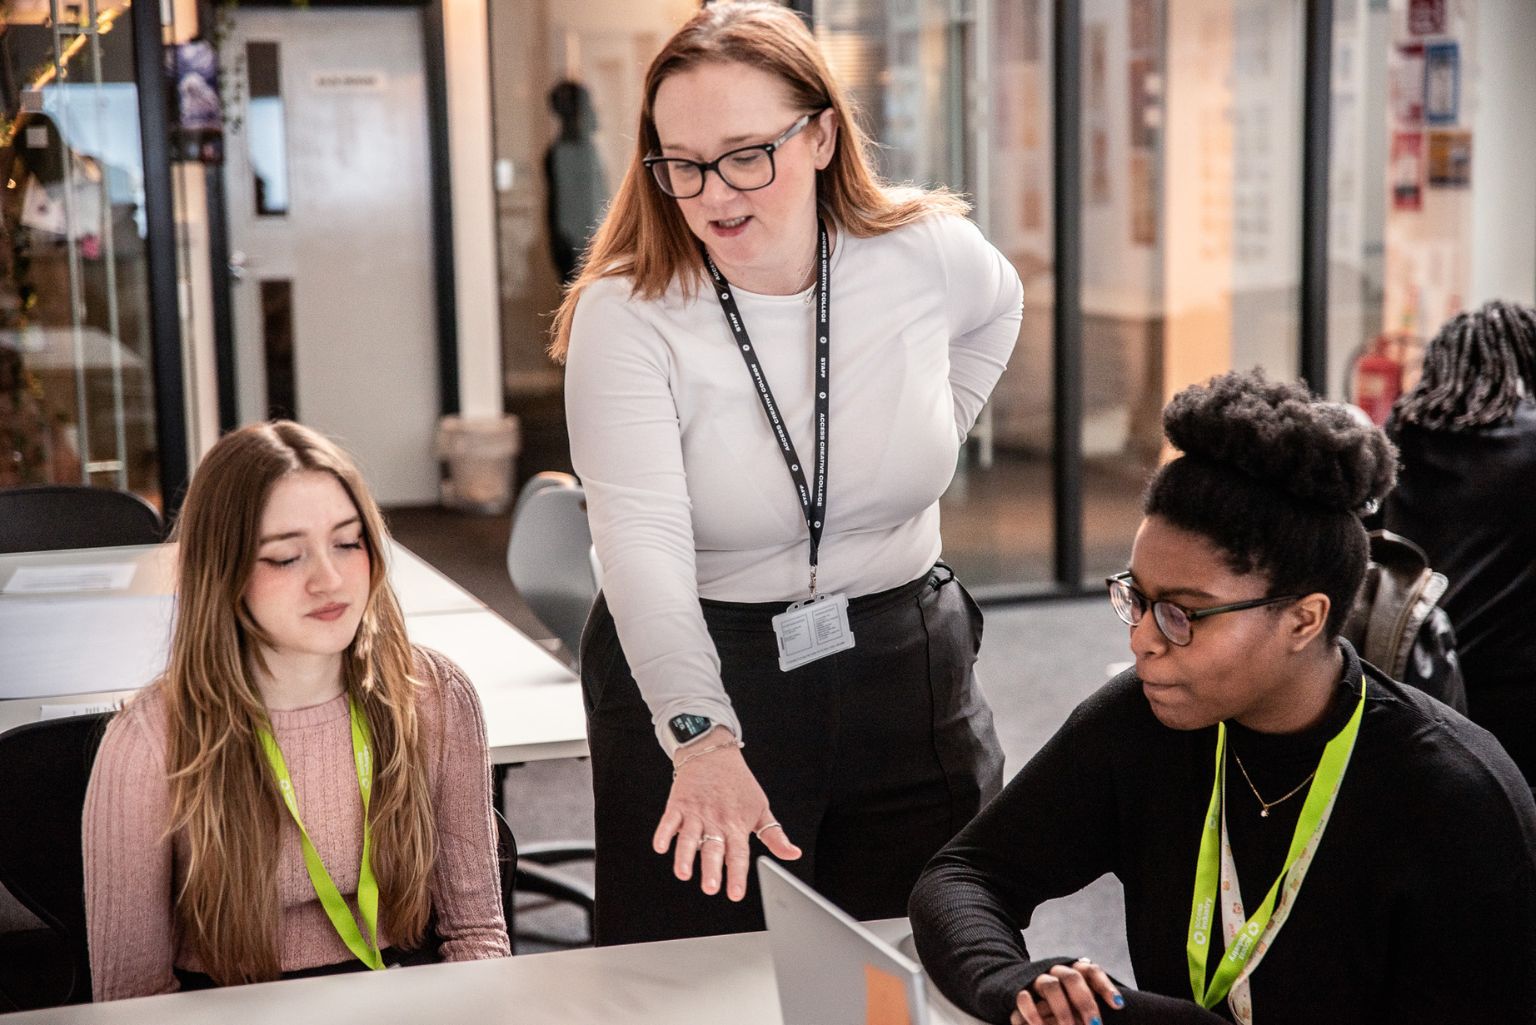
{"x":239,"y":260}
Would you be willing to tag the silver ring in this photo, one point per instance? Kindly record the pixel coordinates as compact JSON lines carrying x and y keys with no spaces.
{"x":707,"y":837}
{"x":772,"y":825}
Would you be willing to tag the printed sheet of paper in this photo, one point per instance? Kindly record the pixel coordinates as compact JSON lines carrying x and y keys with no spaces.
{"x":111,"y":576}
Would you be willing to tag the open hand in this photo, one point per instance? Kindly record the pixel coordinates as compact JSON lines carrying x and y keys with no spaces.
{"x":715,"y":806}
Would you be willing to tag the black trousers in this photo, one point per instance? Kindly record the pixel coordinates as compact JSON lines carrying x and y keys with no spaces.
{"x":872,"y":758}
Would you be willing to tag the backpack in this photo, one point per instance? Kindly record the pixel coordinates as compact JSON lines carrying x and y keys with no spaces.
{"x":1397,"y":625}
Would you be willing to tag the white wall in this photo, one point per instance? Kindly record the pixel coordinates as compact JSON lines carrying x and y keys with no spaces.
{"x":1504,"y":154}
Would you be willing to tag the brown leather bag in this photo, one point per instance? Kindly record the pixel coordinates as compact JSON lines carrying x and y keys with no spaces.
{"x":1397,"y":625}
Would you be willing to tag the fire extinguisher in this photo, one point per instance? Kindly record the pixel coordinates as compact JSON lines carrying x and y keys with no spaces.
{"x":1379,"y":378}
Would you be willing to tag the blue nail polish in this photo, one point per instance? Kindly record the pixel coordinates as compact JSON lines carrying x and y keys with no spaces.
{"x":1119,"y":1000}
{"x":1095,"y":1021}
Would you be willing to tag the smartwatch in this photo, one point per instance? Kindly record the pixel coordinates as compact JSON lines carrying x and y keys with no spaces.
{"x":688,"y":727}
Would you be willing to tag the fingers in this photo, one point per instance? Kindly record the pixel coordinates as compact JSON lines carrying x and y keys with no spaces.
{"x":772,"y":836}
{"x":1025,"y":1012}
{"x":1100,"y":982}
{"x":732,"y":853}
{"x":1048,"y":988}
{"x":689,"y":843}
{"x":738,"y":857}
{"x":671,"y":821}
{"x":711,"y":857}
{"x":1077,"y":992}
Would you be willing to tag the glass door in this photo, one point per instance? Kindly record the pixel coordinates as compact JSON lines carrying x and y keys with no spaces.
{"x":76,"y":385}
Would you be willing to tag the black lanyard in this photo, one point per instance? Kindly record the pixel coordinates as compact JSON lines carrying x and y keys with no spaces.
{"x":813,"y":500}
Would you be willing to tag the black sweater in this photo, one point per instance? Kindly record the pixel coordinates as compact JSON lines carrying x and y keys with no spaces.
{"x":1420,"y":906}
{"x":1466,"y":497}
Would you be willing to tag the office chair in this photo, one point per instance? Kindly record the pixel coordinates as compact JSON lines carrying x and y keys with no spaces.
{"x":44,"y":770}
{"x":506,"y":870}
{"x":550,"y":561}
{"x":549,"y":555}
{"x":74,"y":516}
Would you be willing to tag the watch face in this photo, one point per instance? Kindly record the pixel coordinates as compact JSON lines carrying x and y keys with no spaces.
{"x":686,"y":727}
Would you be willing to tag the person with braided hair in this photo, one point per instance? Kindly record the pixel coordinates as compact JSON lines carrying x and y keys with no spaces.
{"x":1467,"y":439}
{"x":1301,"y":838}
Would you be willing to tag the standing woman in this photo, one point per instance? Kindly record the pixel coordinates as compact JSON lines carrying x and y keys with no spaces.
{"x":773,"y":359}
{"x":302,"y":791}
{"x":1467,"y":435}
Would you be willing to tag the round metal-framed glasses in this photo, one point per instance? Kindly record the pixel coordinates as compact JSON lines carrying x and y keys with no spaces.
{"x":1174,"y":621}
{"x":746,"y":169}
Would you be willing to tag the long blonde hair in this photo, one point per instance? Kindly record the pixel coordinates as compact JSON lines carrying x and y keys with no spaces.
{"x":223,"y":801}
{"x":644,"y":236}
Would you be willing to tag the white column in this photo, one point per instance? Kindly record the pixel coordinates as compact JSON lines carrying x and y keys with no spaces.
{"x":467,"y":46}
{"x":1504,"y":154}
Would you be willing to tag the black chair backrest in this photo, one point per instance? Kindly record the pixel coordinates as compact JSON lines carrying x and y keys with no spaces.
{"x":506,"y":866}
{"x":45,"y":768}
{"x":74,"y":516}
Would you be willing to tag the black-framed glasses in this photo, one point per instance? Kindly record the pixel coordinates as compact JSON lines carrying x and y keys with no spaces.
{"x":1175,"y":621}
{"x":746,"y":169}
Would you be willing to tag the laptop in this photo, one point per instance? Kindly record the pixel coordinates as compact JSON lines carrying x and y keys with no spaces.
{"x":830,"y":969}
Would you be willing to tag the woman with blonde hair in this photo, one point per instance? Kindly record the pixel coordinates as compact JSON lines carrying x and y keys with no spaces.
{"x":768,"y":346}
{"x":301,"y":791}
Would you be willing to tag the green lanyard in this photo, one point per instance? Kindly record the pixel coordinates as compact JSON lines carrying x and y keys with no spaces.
{"x":367,"y":950}
{"x":1202,"y":914}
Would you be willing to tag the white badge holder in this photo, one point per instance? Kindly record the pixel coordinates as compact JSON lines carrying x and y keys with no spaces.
{"x":812,"y":629}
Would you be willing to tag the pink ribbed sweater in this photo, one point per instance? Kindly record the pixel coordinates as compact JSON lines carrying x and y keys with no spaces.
{"x":132,"y":870}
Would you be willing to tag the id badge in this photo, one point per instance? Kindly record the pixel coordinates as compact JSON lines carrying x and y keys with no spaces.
{"x":812,"y":629}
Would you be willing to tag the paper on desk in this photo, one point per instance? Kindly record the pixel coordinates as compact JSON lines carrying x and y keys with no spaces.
{"x":46,"y":712}
{"x":112,"y":576}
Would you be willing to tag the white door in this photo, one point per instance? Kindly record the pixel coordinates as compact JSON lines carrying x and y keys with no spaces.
{"x":334,"y":302}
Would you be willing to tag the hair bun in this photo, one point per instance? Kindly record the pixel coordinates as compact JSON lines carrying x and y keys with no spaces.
{"x":1278,"y":432}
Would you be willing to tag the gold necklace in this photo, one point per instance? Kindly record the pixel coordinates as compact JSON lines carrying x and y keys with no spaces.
{"x":1264,"y":805}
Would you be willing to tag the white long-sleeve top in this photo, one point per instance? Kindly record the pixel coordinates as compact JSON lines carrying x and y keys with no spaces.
{"x":687,"y":491}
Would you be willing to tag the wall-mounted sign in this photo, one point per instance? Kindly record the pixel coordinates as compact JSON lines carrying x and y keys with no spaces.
{"x":1408,"y":86}
{"x":1426,"y":17}
{"x":1450,"y":159}
{"x":192,"y":98}
{"x":350,"y":81}
{"x":1407,"y":169}
{"x":1442,"y":83}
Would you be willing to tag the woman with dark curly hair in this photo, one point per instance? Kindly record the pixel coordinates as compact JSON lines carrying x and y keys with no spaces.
{"x":1467,"y":436}
{"x":1301,"y":838}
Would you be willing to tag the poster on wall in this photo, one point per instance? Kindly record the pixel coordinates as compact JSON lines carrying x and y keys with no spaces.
{"x":1142,"y":25}
{"x":1442,"y":83}
{"x":1426,"y":17}
{"x":1096,"y":108}
{"x":1098,"y":68}
{"x":1099,"y":190}
{"x":1143,"y":202}
{"x":192,"y":94}
{"x":1142,"y":75}
{"x":1407,"y":168}
{"x":1408,"y":86}
{"x":1450,"y":159}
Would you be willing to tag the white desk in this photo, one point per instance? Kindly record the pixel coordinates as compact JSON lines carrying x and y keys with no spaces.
{"x":717,"y":980}
{"x":74,"y":649}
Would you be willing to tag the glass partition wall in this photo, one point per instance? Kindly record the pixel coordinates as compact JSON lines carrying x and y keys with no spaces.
{"x":76,"y":384}
{"x":1187,"y":185}
{"x":959,"y":95}
{"x":1191,"y":208}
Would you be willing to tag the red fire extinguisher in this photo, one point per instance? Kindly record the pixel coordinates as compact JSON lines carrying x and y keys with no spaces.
{"x":1379,"y":378}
